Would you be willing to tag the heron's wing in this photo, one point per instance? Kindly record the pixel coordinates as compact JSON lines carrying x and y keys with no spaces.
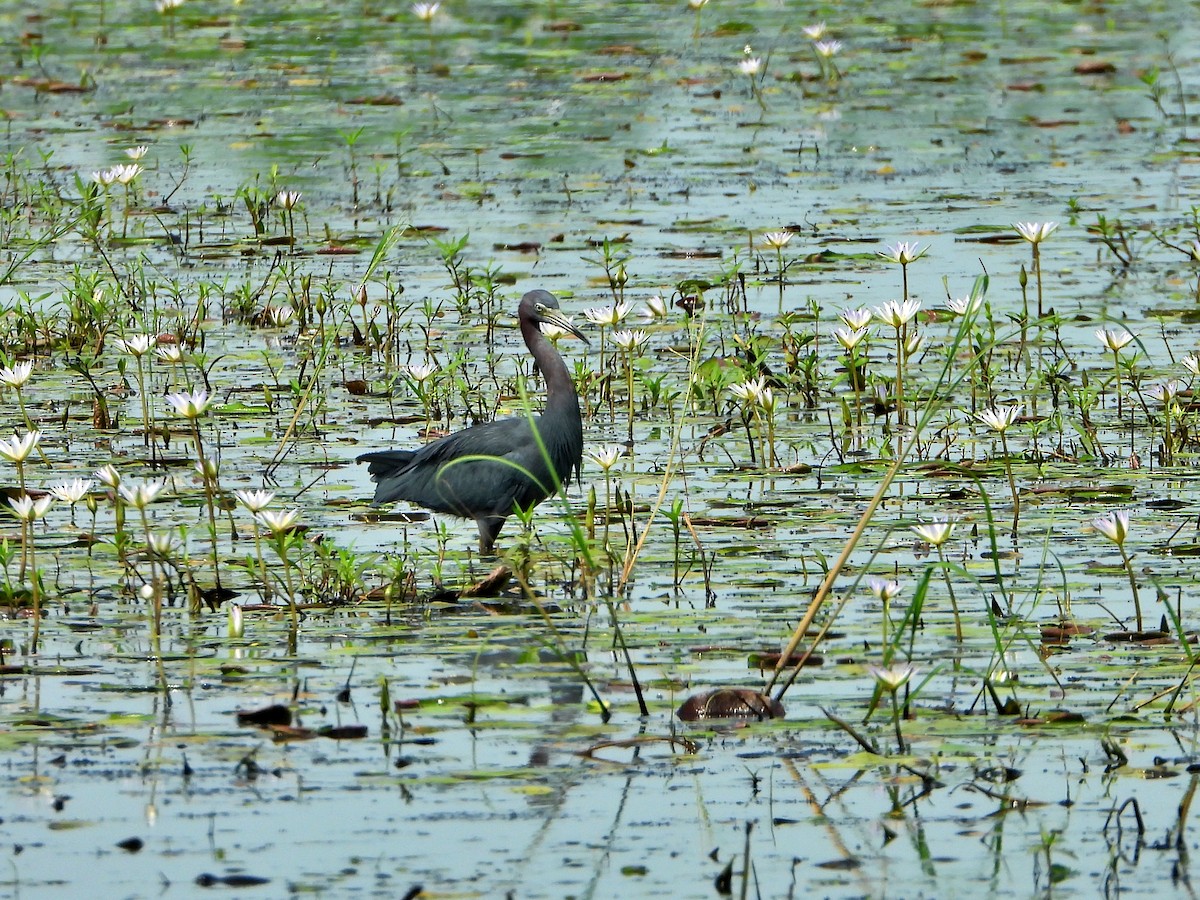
{"x":480,"y":471}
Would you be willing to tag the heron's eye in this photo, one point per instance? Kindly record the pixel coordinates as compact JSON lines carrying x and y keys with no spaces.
{"x":540,"y":308}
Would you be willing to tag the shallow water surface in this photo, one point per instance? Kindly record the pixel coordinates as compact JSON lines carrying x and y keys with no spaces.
{"x":604,"y":152}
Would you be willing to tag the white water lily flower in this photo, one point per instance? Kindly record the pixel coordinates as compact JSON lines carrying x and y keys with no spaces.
{"x":894,"y":677}
{"x":856,"y":319}
{"x":850,"y":338}
{"x":126,"y":174}
{"x":16,"y":375}
{"x":136,"y":345}
{"x":606,"y":457}
{"x":425,"y":11}
{"x":280,"y":316}
{"x":913,"y":343}
{"x":656,"y":309}
{"x":1035,"y":232}
{"x":419,"y":372}
{"x":607,"y":315}
{"x":136,"y":153}
{"x":1164,"y":393}
{"x":139,"y":496}
{"x":827,"y":49}
{"x":255,"y":501}
{"x":896,"y":313}
{"x":999,"y":418}
{"x":287,"y":199}
{"x":630,"y":340}
{"x":1191,"y":362}
{"x":161,"y":543}
{"x":170,"y":354}
{"x":1115,"y":339}
{"x":814,"y":32}
{"x":236,"y":626}
{"x":777,"y":240}
{"x":72,"y":491}
{"x":750,"y":392}
{"x":190,"y":405}
{"x":883,"y":589}
{"x":902,"y":253}
{"x":750,"y":66}
{"x":960,"y":306}
{"x":1114,"y":526}
{"x":936,"y":532}
{"x":28,"y":509}
{"x":109,"y":476}
{"x":18,"y":448}
{"x":278,"y":522}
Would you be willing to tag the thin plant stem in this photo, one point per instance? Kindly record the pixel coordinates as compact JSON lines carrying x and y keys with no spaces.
{"x":958,"y":632}
{"x":1117,"y":377}
{"x":35,"y":586}
{"x":1037,"y":274}
{"x":1012,"y":484}
{"x":1137,"y":602}
{"x":208,"y":477}
{"x":900,"y":745}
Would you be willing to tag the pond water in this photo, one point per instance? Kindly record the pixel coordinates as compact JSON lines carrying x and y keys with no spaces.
{"x":618,"y":151}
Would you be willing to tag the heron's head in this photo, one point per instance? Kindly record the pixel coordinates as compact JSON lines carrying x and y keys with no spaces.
{"x":542,"y":307}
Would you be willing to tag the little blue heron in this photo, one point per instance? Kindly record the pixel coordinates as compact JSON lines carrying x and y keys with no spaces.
{"x":486,"y":472}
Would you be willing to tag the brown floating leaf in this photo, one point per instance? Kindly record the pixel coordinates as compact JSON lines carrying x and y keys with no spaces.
{"x":1095,"y":67}
{"x":562,"y":25}
{"x":50,"y":85}
{"x":495,"y":581}
{"x":841,"y":865}
{"x":356,"y":387}
{"x":377,"y":100}
{"x":522,"y":247}
{"x":1065,"y":631}
{"x":276,"y":714}
{"x":771,"y":660}
{"x":343,"y":732}
{"x":730,"y":703}
{"x":283,"y":733}
{"x":1154,"y":636}
{"x":1051,"y":123}
{"x":208,"y":880}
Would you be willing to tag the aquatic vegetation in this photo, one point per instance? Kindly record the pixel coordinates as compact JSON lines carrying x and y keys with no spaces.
{"x":216,"y":331}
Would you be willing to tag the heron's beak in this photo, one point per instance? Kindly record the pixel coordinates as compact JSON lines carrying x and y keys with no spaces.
{"x":558,"y":320}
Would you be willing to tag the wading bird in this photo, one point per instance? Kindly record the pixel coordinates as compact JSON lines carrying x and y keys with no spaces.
{"x":488,"y":471}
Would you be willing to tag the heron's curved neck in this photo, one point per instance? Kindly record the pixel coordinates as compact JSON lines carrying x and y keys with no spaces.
{"x":560,"y":386}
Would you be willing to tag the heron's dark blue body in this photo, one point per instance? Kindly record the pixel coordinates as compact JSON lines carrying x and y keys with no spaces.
{"x":486,"y":472}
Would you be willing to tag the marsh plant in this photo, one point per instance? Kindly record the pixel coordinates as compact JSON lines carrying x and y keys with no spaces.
{"x":1115,"y":340}
{"x":1000,"y":419}
{"x":28,"y":511}
{"x":630,"y":343}
{"x":936,"y":534}
{"x":606,"y":459}
{"x":777,"y":240}
{"x":192,"y":407}
{"x":891,"y":679}
{"x":1115,"y":527}
{"x":255,"y":502}
{"x":1035,"y":233}
{"x":897,"y":315}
